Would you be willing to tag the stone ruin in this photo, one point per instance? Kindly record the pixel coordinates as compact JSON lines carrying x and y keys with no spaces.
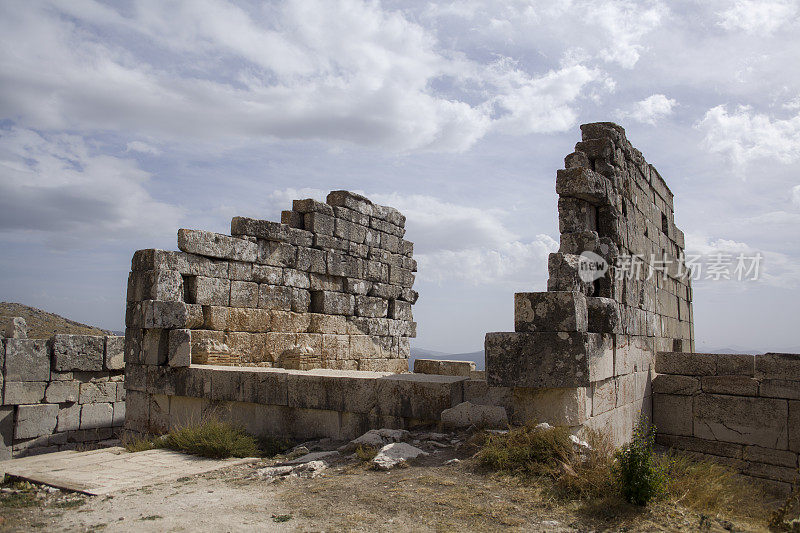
{"x":328,"y":287}
{"x":618,"y":292}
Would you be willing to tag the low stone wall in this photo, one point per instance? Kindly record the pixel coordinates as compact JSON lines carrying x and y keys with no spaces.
{"x":60,"y":392}
{"x":300,"y":404}
{"x":741,"y":410}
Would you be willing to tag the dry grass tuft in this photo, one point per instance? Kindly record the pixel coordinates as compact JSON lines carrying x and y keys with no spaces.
{"x":527,"y":451}
{"x":210,"y":438}
{"x":366,"y":453}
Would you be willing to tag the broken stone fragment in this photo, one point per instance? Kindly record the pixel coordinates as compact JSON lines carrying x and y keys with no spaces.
{"x":13,"y":327}
{"x":395,"y":454}
{"x":376,"y":438}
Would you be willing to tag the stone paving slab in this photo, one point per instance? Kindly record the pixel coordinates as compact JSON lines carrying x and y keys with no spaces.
{"x":110,"y":470}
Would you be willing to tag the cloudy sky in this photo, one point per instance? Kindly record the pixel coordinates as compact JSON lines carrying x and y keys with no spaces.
{"x":123,"y":121}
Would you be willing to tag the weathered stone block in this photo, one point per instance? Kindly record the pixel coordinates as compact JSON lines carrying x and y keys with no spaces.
{"x":676,"y":384}
{"x":368,"y":306}
{"x":545,"y":359}
{"x":180,"y":348}
{"x":687,"y":364}
{"x":332,"y":303}
{"x":736,"y":385}
{"x":336,"y":346}
{"x":550,"y":311}
{"x":270,"y":275}
{"x":96,"y":415}
{"x":694,"y":444}
{"x":400,"y":310}
{"x":6,"y":432}
{"x":118,"y":414}
{"x":216,"y":245}
{"x":277,"y":254}
{"x":756,"y":421}
{"x":778,"y":366}
{"x":22,"y":392}
{"x":35,"y":420}
{"x":169,"y":315}
{"x":603,"y":315}
{"x":672,"y":414}
{"x":584,"y":184}
{"x":771,"y":456}
{"x":61,"y":392}
{"x":354,"y":392}
{"x":350,"y":200}
{"x":208,"y":291}
{"x":418,"y":396}
{"x":310,"y":205}
{"x":730,"y":364}
{"x":319,"y":323}
{"x":155,"y":346}
{"x":443,"y":367}
{"x":97,"y":392}
{"x":137,"y":411}
{"x":274,"y":297}
{"x":27,"y":360}
{"x":244,"y":294}
{"x":779,"y":388}
{"x":467,"y":414}
{"x":604,"y":396}
{"x":556,"y":406}
{"x":115,"y":353}
{"x":13,"y":327}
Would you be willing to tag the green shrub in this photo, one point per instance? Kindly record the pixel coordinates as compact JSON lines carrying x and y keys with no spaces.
{"x":639,"y":476}
{"x":212,"y":438}
{"x":527,"y":451}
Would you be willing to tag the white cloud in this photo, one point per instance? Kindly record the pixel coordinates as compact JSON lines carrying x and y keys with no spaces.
{"x":744,"y":135}
{"x":758,"y":16}
{"x":626,"y":24}
{"x":796,"y":195}
{"x":142,"y":147}
{"x":344,"y":70}
{"x":650,"y":110}
{"x":60,"y":186}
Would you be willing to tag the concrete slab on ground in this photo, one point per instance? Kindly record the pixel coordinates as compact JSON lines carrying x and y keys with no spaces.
{"x":110,"y":470}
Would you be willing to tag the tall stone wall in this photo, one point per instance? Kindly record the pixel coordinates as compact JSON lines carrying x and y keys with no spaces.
{"x":58,"y":393}
{"x":582,"y":352}
{"x":741,"y":410}
{"x":329,"y":287}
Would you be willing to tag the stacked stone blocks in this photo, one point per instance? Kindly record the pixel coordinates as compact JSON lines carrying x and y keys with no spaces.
{"x":59,"y":393}
{"x":742,"y":410}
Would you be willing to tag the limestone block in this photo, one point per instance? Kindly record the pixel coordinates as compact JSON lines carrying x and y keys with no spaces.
{"x":96,"y":415}
{"x":730,"y":364}
{"x":310,"y":205}
{"x":694,"y":444}
{"x":443,"y":367}
{"x":736,"y":385}
{"x":249,"y":320}
{"x":350,"y":200}
{"x":172,"y":314}
{"x":467,"y":414}
{"x":69,"y":418}
{"x":778,"y":366}
{"x":267,"y":230}
{"x":277,"y":254}
{"x":418,"y":396}
{"x":216,"y":245}
{"x":137,"y":411}
{"x":376,"y":271}
{"x":193,"y":381}
{"x":687,"y":364}
{"x":274,"y":297}
{"x":757,"y":421}
{"x":318,"y":223}
{"x":13,"y":327}
{"x":400,"y":310}
{"x":22,"y":392}
{"x":180,"y":348}
{"x":604,"y":396}
{"x":563,"y":270}
{"x":332,"y":303}
{"x":35,"y":420}
{"x":385,"y":290}
{"x":134,"y":338}
{"x":633,"y":353}
{"x":270,"y":275}
{"x":353,"y":392}
{"x":293,"y":219}
{"x":395,"y":454}
{"x":6,"y":432}
{"x":779,"y":388}
{"x":550,"y":311}
{"x":155,"y":346}
{"x":672,"y":414}
{"x":333,"y":324}
{"x":97,"y":392}
{"x":118,"y":414}
{"x":27,"y":360}
{"x":771,"y":456}
{"x":353,"y":216}
{"x":546,"y":359}
{"x":406,"y":248}
{"x":135,"y":377}
{"x":238,"y":271}
{"x":301,"y":300}
{"x":115,"y":353}
{"x":321,"y":282}
{"x":676,"y":384}
{"x":603,"y":315}
{"x":556,"y":406}
{"x":477,"y":391}
{"x":578,"y":242}
{"x":159,"y":413}
{"x":244,"y":294}
{"x":584,"y":184}
{"x":401,"y":276}
{"x":209,"y":291}
{"x":329,"y":242}
{"x":279,"y":345}
{"x":336,"y":346}
{"x":161,"y":285}
{"x":339,"y":264}
{"x":61,"y":392}
{"x":575,"y":215}
{"x":289,"y":322}
{"x":311,"y":260}
{"x":368,"y":306}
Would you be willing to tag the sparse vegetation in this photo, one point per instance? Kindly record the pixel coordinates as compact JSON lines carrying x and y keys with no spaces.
{"x":366,"y":453}
{"x":639,"y":476}
{"x":211,"y":438}
{"x":527,"y":451}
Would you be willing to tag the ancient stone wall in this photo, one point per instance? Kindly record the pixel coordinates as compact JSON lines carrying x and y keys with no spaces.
{"x":741,"y":410}
{"x":581,"y":353}
{"x":58,"y":393}
{"x":329,"y":287}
